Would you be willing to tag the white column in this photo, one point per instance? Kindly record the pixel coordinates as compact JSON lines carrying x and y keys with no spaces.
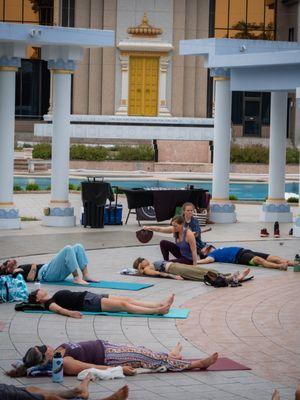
{"x":276,"y":208}
{"x":162,"y":92}
{"x":222,"y":210}
{"x":296,"y":226}
{"x":60,"y":212}
{"x":9,"y":215}
{"x":123,"y":107}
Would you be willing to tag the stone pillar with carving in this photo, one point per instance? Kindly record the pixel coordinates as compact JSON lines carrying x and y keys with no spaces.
{"x":162,"y":96}
{"x":60,"y":212}
{"x":9,"y":214}
{"x":123,"y":107}
{"x":221,"y":208}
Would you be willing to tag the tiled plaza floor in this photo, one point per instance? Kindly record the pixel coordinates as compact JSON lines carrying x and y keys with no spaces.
{"x":256,"y":324}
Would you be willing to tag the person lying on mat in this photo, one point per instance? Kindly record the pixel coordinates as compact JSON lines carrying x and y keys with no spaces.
{"x":70,"y":303}
{"x":11,"y":392}
{"x":192,"y":223}
{"x":102,"y":355}
{"x":184,"y":249}
{"x":239,"y":255}
{"x":167,"y":269}
{"x":68,"y":261}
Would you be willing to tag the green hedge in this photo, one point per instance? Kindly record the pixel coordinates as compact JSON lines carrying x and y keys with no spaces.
{"x":99,"y":153}
{"x":258,"y":154}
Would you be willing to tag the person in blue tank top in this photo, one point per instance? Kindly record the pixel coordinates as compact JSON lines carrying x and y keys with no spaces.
{"x":239,"y":255}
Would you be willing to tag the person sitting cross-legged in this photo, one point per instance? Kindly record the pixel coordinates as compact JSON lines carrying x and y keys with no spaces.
{"x":239,"y":255}
{"x":69,"y":303}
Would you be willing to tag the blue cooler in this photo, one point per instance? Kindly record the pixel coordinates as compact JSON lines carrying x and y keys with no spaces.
{"x":113,"y":212}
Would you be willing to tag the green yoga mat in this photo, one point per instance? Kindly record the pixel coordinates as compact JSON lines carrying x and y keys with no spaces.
{"x":180,"y":313}
{"x":104,"y":284}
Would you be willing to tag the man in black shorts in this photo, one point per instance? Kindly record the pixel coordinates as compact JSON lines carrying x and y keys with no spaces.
{"x":239,"y":255}
{"x":11,"y":392}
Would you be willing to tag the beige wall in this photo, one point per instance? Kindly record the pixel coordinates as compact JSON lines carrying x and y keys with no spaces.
{"x":93,"y":82}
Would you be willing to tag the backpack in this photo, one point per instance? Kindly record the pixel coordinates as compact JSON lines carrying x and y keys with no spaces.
{"x":214,"y":279}
{"x":13,"y":289}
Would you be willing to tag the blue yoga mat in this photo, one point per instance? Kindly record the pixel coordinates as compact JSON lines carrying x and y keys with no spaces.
{"x":104,"y":284}
{"x":180,"y":313}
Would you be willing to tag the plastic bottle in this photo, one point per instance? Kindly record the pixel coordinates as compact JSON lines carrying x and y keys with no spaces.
{"x":57,"y":368}
{"x":235,"y":277}
{"x":37,"y":285}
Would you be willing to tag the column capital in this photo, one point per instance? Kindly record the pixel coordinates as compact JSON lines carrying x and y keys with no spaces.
{"x":62,"y":66}
{"x":220,"y":74}
{"x":9,"y":63}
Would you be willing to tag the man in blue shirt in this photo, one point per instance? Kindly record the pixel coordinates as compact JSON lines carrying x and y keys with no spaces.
{"x":239,"y":255}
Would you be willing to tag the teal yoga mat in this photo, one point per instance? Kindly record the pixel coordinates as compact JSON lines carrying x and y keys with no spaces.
{"x":104,"y":284}
{"x":180,"y":313}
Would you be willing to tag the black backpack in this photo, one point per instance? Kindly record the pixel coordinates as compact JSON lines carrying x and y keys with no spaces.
{"x":214,"y":279}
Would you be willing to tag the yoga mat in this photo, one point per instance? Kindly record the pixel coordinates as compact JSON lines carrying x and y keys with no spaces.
{"x":180,"y":313}
{"x":226,"y":364}
{"x":104,"y":284}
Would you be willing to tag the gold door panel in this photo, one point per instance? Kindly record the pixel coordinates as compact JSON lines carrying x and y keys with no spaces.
{"x":143,"y":86}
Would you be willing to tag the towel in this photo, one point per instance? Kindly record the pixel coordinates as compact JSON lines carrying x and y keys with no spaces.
{"x":102,"y":374}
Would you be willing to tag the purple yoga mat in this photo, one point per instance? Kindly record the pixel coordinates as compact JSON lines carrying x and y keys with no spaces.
{"x":225,"y":364}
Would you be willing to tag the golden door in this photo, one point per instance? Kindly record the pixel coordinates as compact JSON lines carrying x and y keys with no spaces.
{"x":143,"y":86}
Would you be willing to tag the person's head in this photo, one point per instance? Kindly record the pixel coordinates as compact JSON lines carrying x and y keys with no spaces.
{"x":204,"y":252}
{"x":8,"y":266}
{"x":187,"y":211}
{"x":39,"y":296}
{"x":177,"y":222}
{"x":140,"y":263}
{"x":37,"y":355}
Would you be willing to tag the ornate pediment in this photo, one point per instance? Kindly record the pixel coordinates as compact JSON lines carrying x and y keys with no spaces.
{"x":144,"y":29}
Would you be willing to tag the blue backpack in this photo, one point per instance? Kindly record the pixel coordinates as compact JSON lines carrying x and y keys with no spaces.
{"x":13,"y":289}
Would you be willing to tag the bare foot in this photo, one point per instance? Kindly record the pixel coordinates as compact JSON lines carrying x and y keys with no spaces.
{"x":88,"y":279}
{"x":169,"y":300}
{"x":83,"y":389}
{"x":80,"y":281}
{"x":163,"y":309}
{"x":176,"y":352}
{"x":121,"y":394}
{"x":283,"y":267}
{"x":276,"y":395}
{"x":207,"y":362}
{"x":244,"y":274}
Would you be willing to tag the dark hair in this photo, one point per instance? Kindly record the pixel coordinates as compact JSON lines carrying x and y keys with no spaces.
{"x":32,"y":297}
{"x":33,"y":356}
{"x":137,"y":262}
{"x":178,"y":219}
{"x":3,"y":270}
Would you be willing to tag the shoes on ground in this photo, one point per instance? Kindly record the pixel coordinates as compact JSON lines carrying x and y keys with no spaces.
{"x":276,"y":230}
{"x":297,"y":258}
{"x":264,"y":233}
{"x":291,"y":232}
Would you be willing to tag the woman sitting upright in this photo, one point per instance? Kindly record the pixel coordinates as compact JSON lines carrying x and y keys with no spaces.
{"x":184,"y":249}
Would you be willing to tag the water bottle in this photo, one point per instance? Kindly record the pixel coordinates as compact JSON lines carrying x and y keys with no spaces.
{"x":37,"y":285}
{"x":235,"y":277}
{"x":57,"y":368}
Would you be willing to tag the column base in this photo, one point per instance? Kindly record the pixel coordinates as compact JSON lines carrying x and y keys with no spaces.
{"x":296,"y":227}
{"x":122,"y":110}
{"x":9,"y":218}
{"x":164,"y":112}
{"x":272,"y":212}
{"x":222,"y":213}
{"x":59,"y":216}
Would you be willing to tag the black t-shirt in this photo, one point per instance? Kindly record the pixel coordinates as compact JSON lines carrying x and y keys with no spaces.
{"x":26,"y":269}
{"x":67,"y":299}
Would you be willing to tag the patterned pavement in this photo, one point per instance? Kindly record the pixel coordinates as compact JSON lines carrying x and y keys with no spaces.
{"x":256,"y":324}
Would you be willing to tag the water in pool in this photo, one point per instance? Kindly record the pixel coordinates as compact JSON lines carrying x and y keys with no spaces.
{"x":243,"y":191}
